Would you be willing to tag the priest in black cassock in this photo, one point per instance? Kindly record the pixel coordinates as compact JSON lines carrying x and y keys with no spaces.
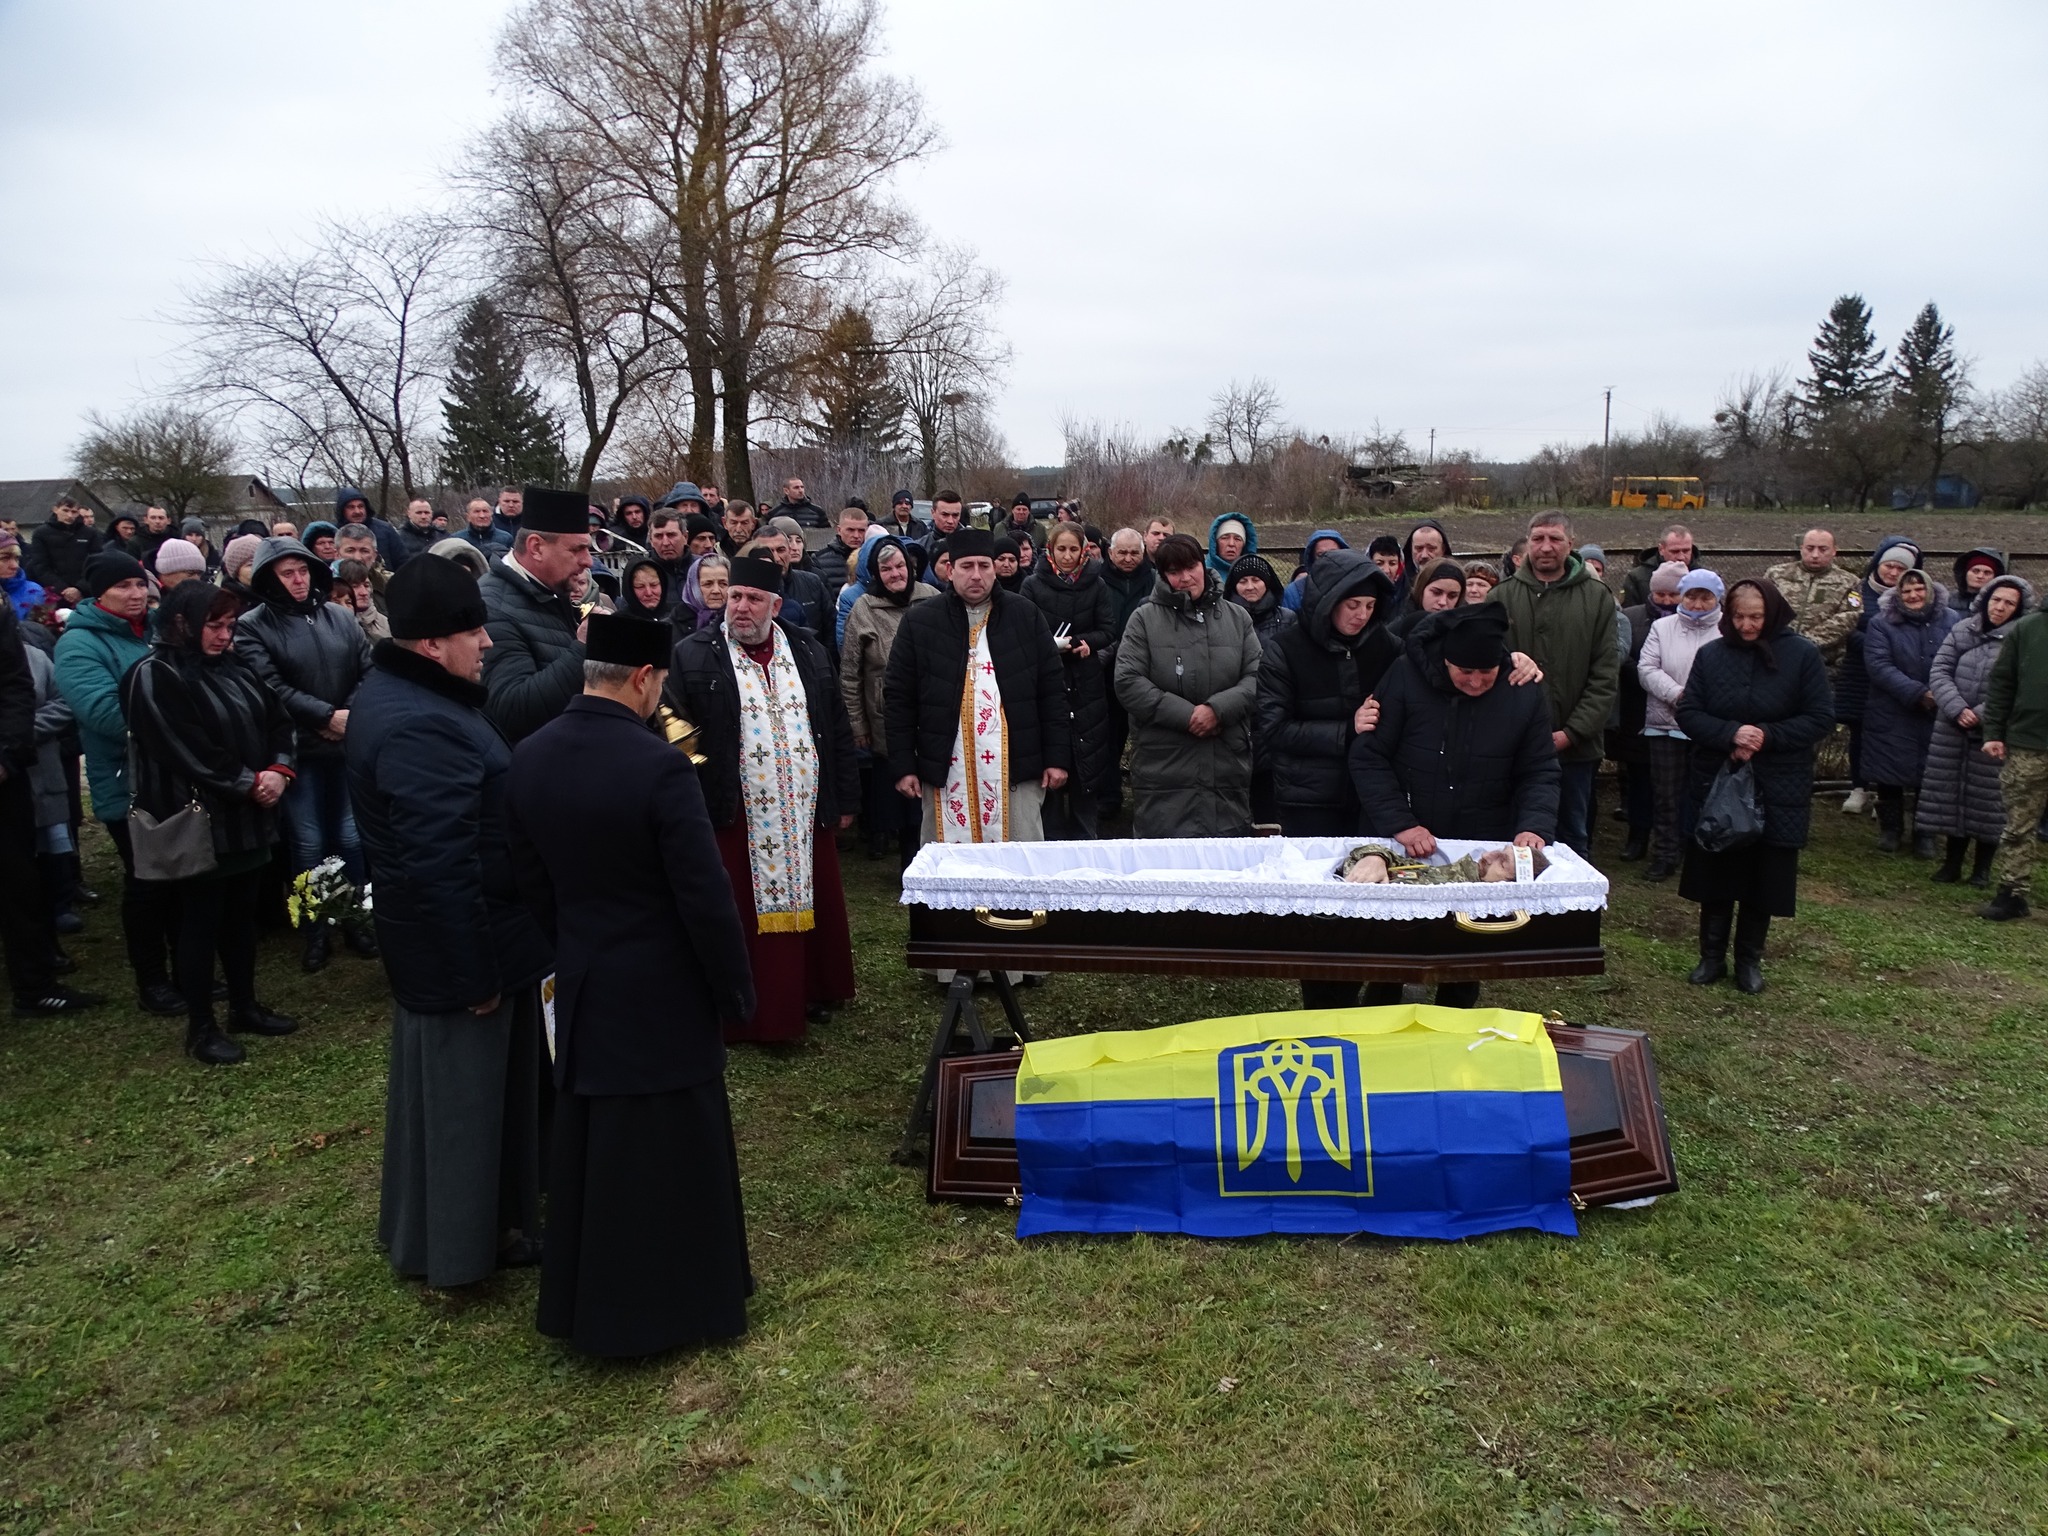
{"x":646,"y":1247}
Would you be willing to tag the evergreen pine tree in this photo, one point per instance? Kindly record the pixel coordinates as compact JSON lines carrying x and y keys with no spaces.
{"x":1847,"y":363}
{"x":1929,"y":382}
{"x":859,"y":408}
{"x":497,"y":431}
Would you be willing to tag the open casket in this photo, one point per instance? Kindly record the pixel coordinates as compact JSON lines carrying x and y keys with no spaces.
{"x":1255,"y":906}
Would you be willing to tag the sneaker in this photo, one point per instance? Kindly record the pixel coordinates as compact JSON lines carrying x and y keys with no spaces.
{"x":55,"y":1000}
{"x":1857,"y":803}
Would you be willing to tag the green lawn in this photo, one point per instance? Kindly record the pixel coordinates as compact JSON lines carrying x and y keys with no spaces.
{"x":1839,"y":1324}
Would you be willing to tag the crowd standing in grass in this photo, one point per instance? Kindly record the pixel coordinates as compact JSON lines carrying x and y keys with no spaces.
{"x":375,"y":718}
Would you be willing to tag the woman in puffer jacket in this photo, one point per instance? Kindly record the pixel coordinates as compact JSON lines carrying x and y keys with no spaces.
{"x":1666,"y":664}
{"x":1959,"y":795}
{"x":1899,"y":645}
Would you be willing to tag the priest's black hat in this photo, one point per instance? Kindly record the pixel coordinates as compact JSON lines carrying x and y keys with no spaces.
{"x":429,"y":599}
{"x":624,"y":641}
{"x":761,"y":575}
{"x":550,"y":511}
{"x":966,"y":542}
{"x":1476,"y":637}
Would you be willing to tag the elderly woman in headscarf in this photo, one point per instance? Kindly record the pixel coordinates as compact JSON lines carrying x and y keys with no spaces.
{"x":1231,"y":537}
{"x":1959,"y":794}
{"x":1759,"y":695}
{"x":1669,"y":650}
{"x":877,"y":614}
{"x":1893,"y":557}
{"x":1899,"y":645}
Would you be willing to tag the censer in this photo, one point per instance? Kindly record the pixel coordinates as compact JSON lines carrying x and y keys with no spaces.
{"x":679,"y":733}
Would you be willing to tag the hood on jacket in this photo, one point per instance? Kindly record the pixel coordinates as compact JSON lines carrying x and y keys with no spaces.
{"x":1408,"y":544}
{"x":1997,"y":558}
{"x":1575,"y":571}
{"x":1214,"y":561}
{"x":1308,"y":550}
{"x":1877,"y":556}
{"x":1259,"y":566}
{"x":264,"y":583}
{"x":1340,"y":574}
{"x":870,"y":581}
{"x":343,"y":495}
{"x":2019,"y":584}
{"x":1166,"y":595}
{"x":1889,"y":606}
{"x":629,"y":604}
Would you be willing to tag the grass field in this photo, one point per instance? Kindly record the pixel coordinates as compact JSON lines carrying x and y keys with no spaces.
{"x":1840,"y":1324}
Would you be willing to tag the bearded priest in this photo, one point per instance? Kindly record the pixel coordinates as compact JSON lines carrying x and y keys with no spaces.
{"x":780,"y":780}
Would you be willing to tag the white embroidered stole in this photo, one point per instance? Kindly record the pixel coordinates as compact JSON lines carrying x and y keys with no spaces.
{"x":778,"y":785}
{"x":974,"y":807}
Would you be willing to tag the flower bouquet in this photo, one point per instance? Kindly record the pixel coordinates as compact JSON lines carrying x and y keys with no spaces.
{"x":325,"y":894}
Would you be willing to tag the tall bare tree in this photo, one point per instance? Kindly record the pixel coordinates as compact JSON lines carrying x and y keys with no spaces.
{"x":331,"y":359}
{"x":1754,"y":427}
{"x":164,"y":455}
{"x":1245,"y":420}
{"x":757,"y":138}
{"x":939,"y":328}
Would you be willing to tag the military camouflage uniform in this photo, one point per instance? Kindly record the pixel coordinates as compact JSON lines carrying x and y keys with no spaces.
{"x":2024,"y":784}
{"x":1825,"y":607}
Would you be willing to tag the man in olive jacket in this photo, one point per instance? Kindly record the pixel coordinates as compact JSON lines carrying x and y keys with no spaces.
{"x":1561,"y":615}
{"x":2016,"y":732}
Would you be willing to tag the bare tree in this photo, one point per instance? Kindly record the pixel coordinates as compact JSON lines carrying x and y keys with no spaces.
{"x":1245,"y":420}
{"x":1754,"y":428}
{"x":569,"y":271}
{"x":939,"y":330}
{"x":2013,"y":439}
{"x":163,"y":455}
{"x":757,"y":139}
{"x":330,"y":359}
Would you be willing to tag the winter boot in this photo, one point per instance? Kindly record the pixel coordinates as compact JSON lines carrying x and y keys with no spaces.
{"x":1952,"y":862}
{"x":320,"y":942}
{"x":1923,"y":842}
{"x":1857,"y":803}
{"x":1980,"y":869}
{"x":1891,"y":821}
{"x":204,"y":1042}
{"x":360,"y":939}
{"x":1714,"y":925}
{"x":2005,"y":906}
{"x":1637,"y":845}
{"x":1750,"y":932}
{"x":255,"y":1019}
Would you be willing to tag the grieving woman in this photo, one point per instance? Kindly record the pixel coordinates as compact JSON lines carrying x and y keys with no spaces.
{"x":206,"y":731}
{"x":1758,"y":695}
{"x":1899,"y":646}
{"x":1438,"y":587}
{"x":643,"y":591}
{"x":890,"y":820}
{"x":1960,"y":796}
{"x":1079,"y":611}
{"x":704,"y":587}
{"x":1669,"y":650}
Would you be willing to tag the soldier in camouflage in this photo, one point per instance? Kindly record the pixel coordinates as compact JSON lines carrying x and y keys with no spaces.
{"x":1826,"y":600}
{"x":2015,"y":727}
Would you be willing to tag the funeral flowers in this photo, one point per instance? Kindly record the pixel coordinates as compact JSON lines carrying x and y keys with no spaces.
{"x":324,"y":894}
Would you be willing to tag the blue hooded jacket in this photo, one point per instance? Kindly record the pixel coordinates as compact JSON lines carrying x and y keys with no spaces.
{"x":1216,"y":562}
{"x":1297,"y":586}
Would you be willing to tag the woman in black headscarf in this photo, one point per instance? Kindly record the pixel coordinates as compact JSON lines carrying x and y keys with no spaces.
{"x":1009,"y":572}
{"x":1758,"y":695}
{"x":643,"y":591}
{"x":207,"y":731}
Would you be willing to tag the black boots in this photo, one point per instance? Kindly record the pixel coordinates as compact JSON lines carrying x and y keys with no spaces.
{"x":205,"y":1043}
{"x":1923,"y":843}
{"x":1751,"y":929}
{"x":1715,"y":922}
{"x":1952,"y":862}
{"x":1891,"y":821}
{"x":255,"y":1019}
{"x":1660,"y":868}
{"x":319,"y":945}
{"x":1637,"y":845}
{"x":1980,"y":869}
{"x":2005,"y":906}
{"x":161,"y":998}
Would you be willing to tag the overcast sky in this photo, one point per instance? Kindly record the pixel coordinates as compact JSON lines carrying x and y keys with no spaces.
{"x":1464,"y":216}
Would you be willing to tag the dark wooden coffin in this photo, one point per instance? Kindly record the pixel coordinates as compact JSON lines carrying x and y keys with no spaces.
{"x":1620,"y":1147}
{"x":1214,"y":944}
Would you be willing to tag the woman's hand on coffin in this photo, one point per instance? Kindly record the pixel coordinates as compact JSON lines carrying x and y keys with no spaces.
{"x":1419,"y":842}
{"x":1528,"y":840}
{"x":1053,"y":778}
{"x":1524,"y":671}
{"x":1367,"y":717}
{"x":909,"y":787}
{"x":1203,"y":721}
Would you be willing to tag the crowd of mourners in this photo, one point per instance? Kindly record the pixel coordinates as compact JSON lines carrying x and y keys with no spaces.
{"x":401,"y":703}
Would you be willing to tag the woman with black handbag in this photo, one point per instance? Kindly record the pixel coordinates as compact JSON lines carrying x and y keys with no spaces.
{"x":212,"y":750}
{"x":1758,"y":695}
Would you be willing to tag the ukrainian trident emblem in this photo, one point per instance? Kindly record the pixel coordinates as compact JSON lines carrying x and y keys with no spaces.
{"x":1291,"y":1119}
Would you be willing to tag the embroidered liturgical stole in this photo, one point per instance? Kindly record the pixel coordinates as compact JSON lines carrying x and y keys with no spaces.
{"x":778,"y":785}
{"x":975,"y":804}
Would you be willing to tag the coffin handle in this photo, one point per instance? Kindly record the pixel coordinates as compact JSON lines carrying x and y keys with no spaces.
{"x":989,"y":919}
{"x":1473,"y":924}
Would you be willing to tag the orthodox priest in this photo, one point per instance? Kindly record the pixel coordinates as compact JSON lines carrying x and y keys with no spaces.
{"x":427,"y":776}
{"x":646,"y":1247}
{"x":975,"y":706}
{"x":780,"y":779}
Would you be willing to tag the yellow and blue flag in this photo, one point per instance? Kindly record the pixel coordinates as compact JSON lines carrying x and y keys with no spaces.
{"x":1411,"y":1121}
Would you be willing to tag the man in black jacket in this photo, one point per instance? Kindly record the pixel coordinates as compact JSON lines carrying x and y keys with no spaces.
{"x":1458,"y":752}
{"x":646,"y":1246}
{"x":428,"y":775}
{"x":417,"y":534}
{"x":751,"y":680}
{"x":535,"y":665}
{"x":313,"y":656}
{"x":57,"y":553}
{"x":799,"y":507}
{"x":829,"y":561}
{"x":991,"y":788}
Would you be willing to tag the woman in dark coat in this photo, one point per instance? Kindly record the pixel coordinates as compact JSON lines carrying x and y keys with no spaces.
{"x":204,"y":729}
{"x":1899,"y":645}
{"x":1071,"y":593}
{"x":1436,"y":588}
{"x":1758,"y":695}
{"x":1892,"y":558}
{"x":1960,"y":794}
{"x":1254,"y":586}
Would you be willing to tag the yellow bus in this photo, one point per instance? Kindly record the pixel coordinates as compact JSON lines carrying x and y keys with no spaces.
{"x":1667,"y":493}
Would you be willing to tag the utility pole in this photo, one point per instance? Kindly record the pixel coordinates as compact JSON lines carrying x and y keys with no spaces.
{"x":1606,"y":432}
{"x":1432,"y":447}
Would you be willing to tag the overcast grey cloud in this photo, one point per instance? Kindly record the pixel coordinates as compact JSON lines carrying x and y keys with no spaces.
{"x":1463,"y":216}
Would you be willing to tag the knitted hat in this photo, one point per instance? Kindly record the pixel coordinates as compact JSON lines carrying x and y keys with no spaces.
{"x":1667,"y":576}
{"x":109,"y":566}
{"x":1593,"y":554}
{"x":190,"y":526}
{"x":1702,"y":581}
{"x":429,"y":599}
{"x":175,"y":555}
{"x":1475,"y":637}
{"x":240,"y":551}
{"x":903,"y":499}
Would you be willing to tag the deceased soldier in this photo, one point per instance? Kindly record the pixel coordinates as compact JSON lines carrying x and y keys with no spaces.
{"x":1388,"y":863}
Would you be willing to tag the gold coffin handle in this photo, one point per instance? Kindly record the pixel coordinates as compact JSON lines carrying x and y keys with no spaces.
{"x":1491,"y":924}
{"x":989,"y":919}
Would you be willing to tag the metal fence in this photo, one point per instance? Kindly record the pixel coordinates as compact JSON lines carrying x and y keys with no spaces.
{"x":1734,"y":564}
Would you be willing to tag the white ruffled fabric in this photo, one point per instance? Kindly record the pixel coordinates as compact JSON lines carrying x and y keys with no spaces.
{"x":1279,"y":876}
